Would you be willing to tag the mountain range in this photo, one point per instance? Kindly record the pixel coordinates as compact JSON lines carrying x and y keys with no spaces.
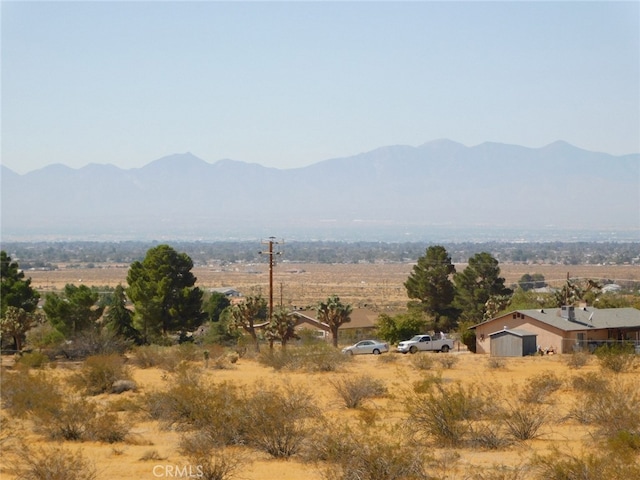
{"x":387,"y":194}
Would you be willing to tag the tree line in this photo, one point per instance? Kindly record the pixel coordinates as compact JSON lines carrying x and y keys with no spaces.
{"x":162,"y":303}
{"x":166,"y":306}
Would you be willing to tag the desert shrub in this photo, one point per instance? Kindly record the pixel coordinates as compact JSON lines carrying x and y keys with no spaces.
{"x":524,"y":421}
{"x":188,"y":352}
{"x":354,"y":390}
{"x":561,"y":465}
{"x":217,"y":465}
{"x":539,"y":387}
{"x":92,"y":342}
{"x":149,"y":356}
{"x":590,"y":382}
{"x":322,"y":357}
{"x":278,"y":359}
{"x":99,"y":373}
{"x":577,"y":359}
{"x":616,"y":358}
{"x":444,"y":412}
{"x":427,"y":382}
{"x":278,"y":419}
{"x":447,"y":361}
{"x":612,"y":410}
{"x":212,"y":463}
{"x":624,"y":441}
{"x":218,"y":358}
{"x":32,"y":360}
{"x":314,"y":357}
{"x":496,"y":363}
{"x":24,"y":392}
{"x":107,"y":427}
{"x":387,"y":358}
{"x":52,"y":463}
{"x":193,"y":404}
{"x":488,"y":436}
{"x":370,"y":455}
{"x":423,"y":362}
{"x":68,"y":420}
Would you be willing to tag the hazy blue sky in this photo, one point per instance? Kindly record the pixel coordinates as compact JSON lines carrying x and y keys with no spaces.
{"x":288,"y":84}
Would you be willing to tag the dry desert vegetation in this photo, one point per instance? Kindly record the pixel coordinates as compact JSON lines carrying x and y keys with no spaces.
{"x":311,"y":413}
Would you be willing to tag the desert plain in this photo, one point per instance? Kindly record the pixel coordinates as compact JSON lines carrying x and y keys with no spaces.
{"x":150,"y":450}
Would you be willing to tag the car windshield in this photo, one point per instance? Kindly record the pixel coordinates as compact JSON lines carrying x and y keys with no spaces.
{"x":416,"y":338}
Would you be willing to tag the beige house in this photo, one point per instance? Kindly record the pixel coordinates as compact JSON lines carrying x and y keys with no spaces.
{"x":566,"y":329}
{"x":362,"y":324}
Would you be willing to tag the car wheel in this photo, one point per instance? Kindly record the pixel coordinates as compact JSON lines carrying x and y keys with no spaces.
{"x":376,"y":352}
{"x":350,"y":352}
{"x":413,"y":349}
{"x":444,"y":349}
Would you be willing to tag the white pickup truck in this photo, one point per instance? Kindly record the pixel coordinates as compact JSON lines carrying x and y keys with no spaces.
{"x":425,"y":343}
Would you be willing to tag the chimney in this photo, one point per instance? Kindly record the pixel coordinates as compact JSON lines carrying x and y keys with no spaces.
{"x":568,"y":313}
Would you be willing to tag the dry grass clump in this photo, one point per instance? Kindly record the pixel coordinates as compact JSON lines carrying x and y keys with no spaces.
{"x":32,"y":360}
{"x":24,"y":392}
{"x":50,"y":463}
{"x":447,"y":361}
{"x":100,"y":373}
{"x":427,"y":382}
{"x":355,"y":390}
{"x":540,"y":387}
{"x":577,"y":359}
{"x":167,"y":357}
{"x":617,"y":358}
{"x":191,"y":403}
{"x":565,"y":465}
{"x":423,"y":361}
{"x":445,"y":412}
{"x":496,"y":363}
{"x":315,"y":357}
{"x":590,"y":382}
{"x":613,"y":410}
{"x":368,"y":453}
{"x":524,"y":420}
{"x":279,"y":420}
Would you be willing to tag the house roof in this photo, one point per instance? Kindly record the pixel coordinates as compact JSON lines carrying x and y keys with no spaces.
{"x":514,"y":331}
{"x":587,"y":318}
{"x":360,"y":318}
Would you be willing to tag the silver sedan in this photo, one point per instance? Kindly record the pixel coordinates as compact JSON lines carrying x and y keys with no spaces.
{"x":367,"y":346}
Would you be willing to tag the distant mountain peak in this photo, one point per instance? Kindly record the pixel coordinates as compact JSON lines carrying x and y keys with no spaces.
{"x":393,"y":187}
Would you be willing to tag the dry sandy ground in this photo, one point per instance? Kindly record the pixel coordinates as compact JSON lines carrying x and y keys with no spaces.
{"x":123,"y":460}
{"x":306,"y":284}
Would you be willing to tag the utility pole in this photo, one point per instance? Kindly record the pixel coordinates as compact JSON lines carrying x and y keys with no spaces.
{"x":271,"y":242}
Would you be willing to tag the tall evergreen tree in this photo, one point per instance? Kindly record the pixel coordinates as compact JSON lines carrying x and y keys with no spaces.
{"x":119,"y":319}
{"x":215,"y":305}
{"x":162,"y":289}
{"x":15,"y":289}
{"x":334,"y":313}
{"x":73,"y":311}
{"x":479,"y":281}
{"x":430,"y":283}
